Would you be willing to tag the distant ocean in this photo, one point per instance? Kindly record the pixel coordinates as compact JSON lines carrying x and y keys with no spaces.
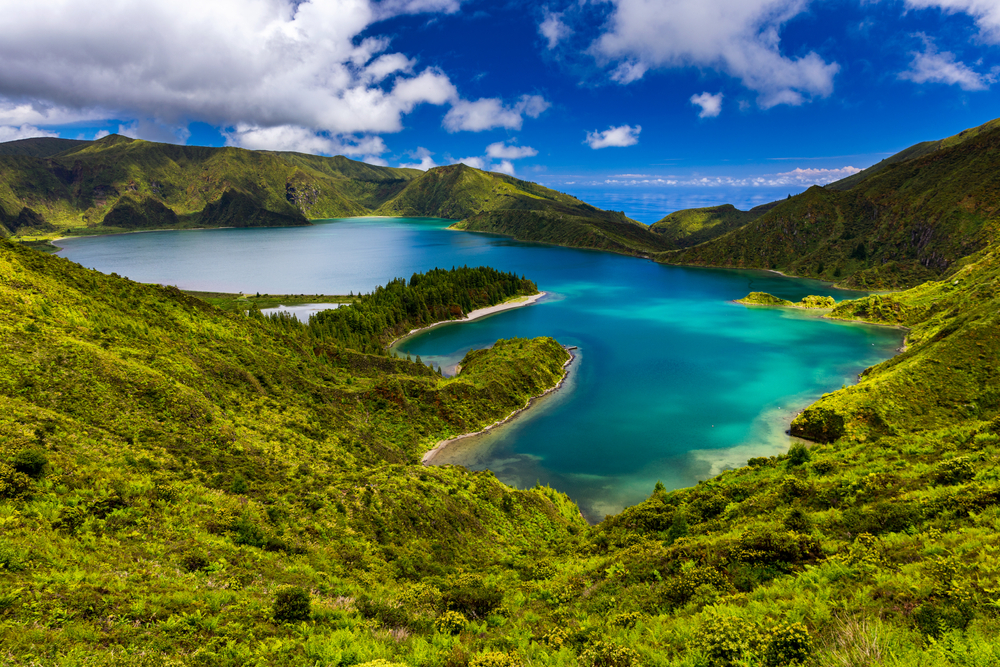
{"x":650,"y":204}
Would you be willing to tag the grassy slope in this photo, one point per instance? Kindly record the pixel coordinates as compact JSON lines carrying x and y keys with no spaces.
{"x":79,"y":187}
{"x":39,"y":146}
{"x":500,"y":204}
{"x":908,"y":223}
{"x":199,"y":459}
{"x":692,"y":226}
{"x":911,"y":153}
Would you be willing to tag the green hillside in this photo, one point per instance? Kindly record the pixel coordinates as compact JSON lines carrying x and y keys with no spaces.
{"x":120,"y":184}
{"x":181,"y":485}
{"x":39,"y":146}
{"x":910,"y":222}
{"x":500,"y":204}
{"x":692,"y":226}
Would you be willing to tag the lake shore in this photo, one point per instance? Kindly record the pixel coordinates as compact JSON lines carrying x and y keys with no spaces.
{"x":428,"y":457}
{"x":517,"y":302}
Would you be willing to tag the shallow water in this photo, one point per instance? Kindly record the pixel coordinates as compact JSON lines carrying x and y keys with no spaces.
{"x":674,"y":382}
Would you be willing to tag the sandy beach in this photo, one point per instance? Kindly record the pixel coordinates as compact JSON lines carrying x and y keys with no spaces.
{"x":428,"y":458}
{"x":476,"y":314}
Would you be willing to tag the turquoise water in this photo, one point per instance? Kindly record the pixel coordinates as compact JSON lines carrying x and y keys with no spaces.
{"x":673,"y":381}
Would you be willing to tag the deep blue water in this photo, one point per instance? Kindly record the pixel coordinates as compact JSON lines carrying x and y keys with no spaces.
{"x":673,"y":381}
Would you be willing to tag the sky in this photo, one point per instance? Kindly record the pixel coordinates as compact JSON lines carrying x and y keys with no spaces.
{"x":645,"y":106}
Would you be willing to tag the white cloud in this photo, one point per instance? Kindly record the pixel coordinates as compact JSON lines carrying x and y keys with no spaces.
{"x":505,"y":167}
{"x":490,"y":112}
{"x":711,"y":105}
{"x":424,"y":155}
{"x":624,"y":135}
{"x":13,"y":132}
{"x":985,"y":12}
{"x":260,"y":63}
{"x":100,"y":134}
{"x":302,"y":140}
{"x":474,"y":162}
{"x":796,"y":177}
{"x":553,"y":29}
{"x":738,"y":37}
{"x":933,"y":66}
{"x":375,"y":160}
{"x":502,"y":150}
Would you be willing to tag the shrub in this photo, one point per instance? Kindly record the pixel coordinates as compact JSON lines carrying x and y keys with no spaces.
{"x":797,"y":520}
{"x":494,"y":659}
{"x":726,"y":641}
{"x":824,"y":467}
{"x":788,"y":644}
{"x":388,"y":614}
{"x":954,"y":471}
{"x":609,"y":654}
{"x":450,"y":623}
{"x":30,"y":462}
{"x":626,"y":620}
{"x":471,"y":597}
{"x":798,"y":454}
{"x":682,"y":588}
{"x":291,"y":605}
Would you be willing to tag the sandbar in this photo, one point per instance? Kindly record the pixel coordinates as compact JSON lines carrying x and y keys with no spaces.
{"x":428,"y":457}
{"x":516,"y":302}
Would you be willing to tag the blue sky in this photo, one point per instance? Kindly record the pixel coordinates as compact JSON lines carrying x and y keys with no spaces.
{"x":637,"y":104}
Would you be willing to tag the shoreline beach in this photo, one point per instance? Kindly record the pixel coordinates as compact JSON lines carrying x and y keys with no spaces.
{"x":476,"y":314}
{"x":428,"y":457}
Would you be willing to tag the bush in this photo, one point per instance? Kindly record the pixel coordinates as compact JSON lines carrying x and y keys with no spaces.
{"x":450,"y":623}
{"x":626,"y":620}
{"x":824,"y":467}
{"x":291,"y":605}
{"x":388,"y":614}
{"x":798,"y":454}
{"x":788,"y":644}
{"x":955,"y":471}
{"x":797,"y":520}
{"x":608,"y":654}
{"x":30,"y":462}
{"x":726,"y":641}
{"x":494,"y":659}
{"x":471,"y":597}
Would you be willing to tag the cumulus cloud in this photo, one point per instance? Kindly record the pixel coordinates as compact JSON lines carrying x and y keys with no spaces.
{"x":553,"y":29}
{"x":738,"y":37}
{"x":302,"y":140}
{"x":624,"y":135}
{"x":474,"y":162}
{"x":259,"y":63}
{"x":13,"y":132}
{"x":796,"y":177}
{"x":711,"y":105}
{"x":932,"y":66}
{"x":424,"y":155}
{"x":985,"y":12}
{"x":490,"y":112}
{"x":502,"y":150}
{"x":505,"y":167}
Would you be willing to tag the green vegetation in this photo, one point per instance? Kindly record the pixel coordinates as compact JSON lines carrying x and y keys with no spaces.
{"x":764,"y":299}
{"x":246,"y":302}
{"x":374,"y":320}
{"x":692,"y":226}
{"x":500,"y":204}
{"x":185,"y":485}
{"x":118,"y":184}
{"x":908,"y":222}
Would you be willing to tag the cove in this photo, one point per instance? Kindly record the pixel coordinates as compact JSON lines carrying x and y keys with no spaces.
{"x":673,"y":381}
